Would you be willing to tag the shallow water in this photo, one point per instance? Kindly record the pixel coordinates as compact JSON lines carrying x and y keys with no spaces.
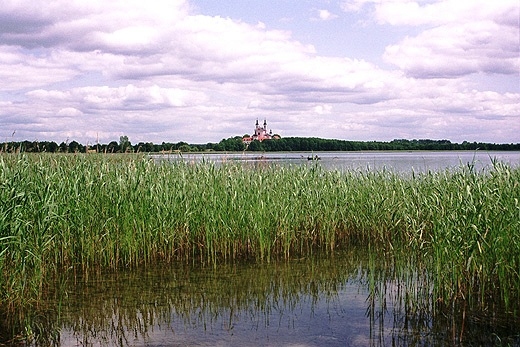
{"x":341,"y":300}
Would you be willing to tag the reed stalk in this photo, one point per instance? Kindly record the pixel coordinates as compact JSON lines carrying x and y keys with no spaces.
{"x":78,"y":212}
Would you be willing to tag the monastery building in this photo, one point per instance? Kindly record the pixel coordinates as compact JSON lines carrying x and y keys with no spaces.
{"x":260,"y":134}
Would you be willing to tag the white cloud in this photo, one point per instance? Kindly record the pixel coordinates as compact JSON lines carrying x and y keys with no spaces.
{"x":19,"y":70}
{"x":460,"y":38}
{"x":441,"y":12}
{"x":159,"y":72}
{"x":125,"y":97}
{"x":323,"y":109}
{"x":69,"y":112}
{"x":83,"y":25}
{"x":325,"y":15}
{"x":459,"y":49}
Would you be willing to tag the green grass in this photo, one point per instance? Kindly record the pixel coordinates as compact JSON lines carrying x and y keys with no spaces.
{"x":79,"y":212}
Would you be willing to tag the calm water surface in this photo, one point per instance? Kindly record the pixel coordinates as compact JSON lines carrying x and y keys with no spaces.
{"x":342,"y":300}
{"x":399,"y":161}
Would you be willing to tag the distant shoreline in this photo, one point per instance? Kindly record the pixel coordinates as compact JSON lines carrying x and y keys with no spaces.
{"x":235,"y":144}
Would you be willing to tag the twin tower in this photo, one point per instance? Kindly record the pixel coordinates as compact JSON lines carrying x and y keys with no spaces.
{"x":260,"y":134}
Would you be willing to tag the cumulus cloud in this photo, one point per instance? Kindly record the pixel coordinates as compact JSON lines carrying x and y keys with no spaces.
{"x":69,"y":112}
{"x":455,"y":50}
{"x":81,"y":24}
{"x":161,"y":71}
{"x":21,"y":70}
{"x":461,"y":37}
{"x":323,"y":109}
{"x":129,"y":97}
{"x":324,"y":15}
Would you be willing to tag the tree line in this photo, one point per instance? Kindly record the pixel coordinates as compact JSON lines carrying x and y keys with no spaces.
{"x":300,"y":144}
{"x":318,"y":144}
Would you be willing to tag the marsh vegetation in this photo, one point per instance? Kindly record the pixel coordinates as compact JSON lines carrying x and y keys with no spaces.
{"x":458,"y":230}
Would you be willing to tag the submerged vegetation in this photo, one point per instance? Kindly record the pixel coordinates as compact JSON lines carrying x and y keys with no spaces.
{"x":74,"y":213}
{"x":247,"y":303}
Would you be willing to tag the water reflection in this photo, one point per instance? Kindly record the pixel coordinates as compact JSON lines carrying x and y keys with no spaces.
{"x":348,"y":299}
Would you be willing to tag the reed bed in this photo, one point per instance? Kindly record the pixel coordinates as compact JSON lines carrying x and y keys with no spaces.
{"x":79,"y":212}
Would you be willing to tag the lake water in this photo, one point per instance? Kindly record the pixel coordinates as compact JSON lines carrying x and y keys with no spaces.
{"x":340,"y":300}
{"x":315,"y":301}
{"x":398,"y":161}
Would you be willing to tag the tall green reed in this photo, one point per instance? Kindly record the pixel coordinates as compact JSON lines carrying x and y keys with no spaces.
{"x":80,"y":211}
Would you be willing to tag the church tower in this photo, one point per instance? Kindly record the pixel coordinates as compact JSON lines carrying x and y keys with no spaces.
{"x":260,"y":133}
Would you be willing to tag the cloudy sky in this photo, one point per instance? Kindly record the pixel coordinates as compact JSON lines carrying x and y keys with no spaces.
{"x":203,"y":70}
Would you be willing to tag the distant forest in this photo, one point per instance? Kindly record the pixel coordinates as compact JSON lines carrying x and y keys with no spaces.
{"x":300,"y":144}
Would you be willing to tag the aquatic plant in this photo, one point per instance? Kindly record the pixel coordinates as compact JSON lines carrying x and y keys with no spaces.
{"x":77,"y":212}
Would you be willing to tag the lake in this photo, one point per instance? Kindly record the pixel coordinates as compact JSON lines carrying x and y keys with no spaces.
{"x":353,"y":297}
{"x":398,"y":161}
{"x":339,"y":300}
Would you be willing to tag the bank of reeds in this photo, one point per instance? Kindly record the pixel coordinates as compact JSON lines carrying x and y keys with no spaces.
{"x":78,"y":212}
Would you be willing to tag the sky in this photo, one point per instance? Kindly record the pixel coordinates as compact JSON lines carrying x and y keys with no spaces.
{"x":201,"y":71}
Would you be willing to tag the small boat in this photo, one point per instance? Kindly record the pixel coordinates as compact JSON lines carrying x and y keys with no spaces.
{"x":314,"y":158}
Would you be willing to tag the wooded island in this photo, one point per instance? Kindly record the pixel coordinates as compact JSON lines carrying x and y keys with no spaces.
{"x":287,"y":144}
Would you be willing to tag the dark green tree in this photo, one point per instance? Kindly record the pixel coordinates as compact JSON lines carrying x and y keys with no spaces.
{"x":76,"y":147}
{"x":113,"y":147}
{"x":184,"y":148}
{"x":234,"y":144}
{"x":255,"y":146}
{"x":124,"y":144}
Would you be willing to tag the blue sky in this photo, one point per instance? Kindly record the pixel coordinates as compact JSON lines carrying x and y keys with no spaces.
{"x":203,"y":70}
{"x":337,"y":34}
